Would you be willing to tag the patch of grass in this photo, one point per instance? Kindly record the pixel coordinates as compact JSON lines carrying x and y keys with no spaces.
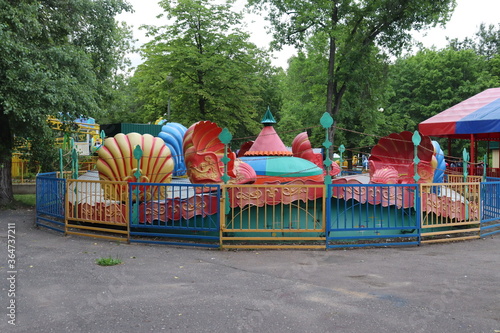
{"x":110,"y":261}
{"x":25,"y":200}
{"x":21,"y":201}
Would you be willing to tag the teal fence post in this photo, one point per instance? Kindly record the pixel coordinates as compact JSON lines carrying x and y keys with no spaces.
{"x":416,"y":138}
{"x":465,"y":156}
{"x":61,"y":167}
{"x":225,"y":137}
{"x":485,"y":159}
{"x":137,"y":174}
{"x":74,"y":175}
{"x":326,"y":122}
{"x":74,"y":163}
{"x":341,"y":159}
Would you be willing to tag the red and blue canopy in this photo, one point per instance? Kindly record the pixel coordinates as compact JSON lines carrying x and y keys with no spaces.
{"x":478,"y":116}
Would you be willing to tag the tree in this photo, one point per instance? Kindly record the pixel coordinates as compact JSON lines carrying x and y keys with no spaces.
{"x":486,"y":42}
{"x":304,"y":87}
{"x":57,"y":59}
{"x":352,"y":29}
{"x":201,"y":67}
{"x":431,"y":81}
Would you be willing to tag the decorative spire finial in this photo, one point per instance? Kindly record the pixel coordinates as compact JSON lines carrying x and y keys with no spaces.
{"x":268,"y":119}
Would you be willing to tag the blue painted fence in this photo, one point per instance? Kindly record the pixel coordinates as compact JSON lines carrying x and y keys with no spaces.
{"x":50,"y":201}
{"x":490,"y":207}
{"x":372,"y":215}
{"x":188,"y":213}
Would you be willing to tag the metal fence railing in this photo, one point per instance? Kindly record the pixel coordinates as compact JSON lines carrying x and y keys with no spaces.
{"x":372,"y":215}
{"x":50,"y":198}
{"x":175,"y":214}
{"x":460,"y":179}
{"x":490,"y":207}
{"x":97,"y":209}
{"x":450,"y":209}
{"x":475,"y":171}
{"x":269,"y":216}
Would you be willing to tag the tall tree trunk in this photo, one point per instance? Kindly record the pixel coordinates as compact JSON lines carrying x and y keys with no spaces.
{"x":6,"y":194}
{"x":330,"y":88}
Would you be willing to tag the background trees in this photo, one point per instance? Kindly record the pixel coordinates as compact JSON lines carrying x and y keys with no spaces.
{"x":352,"y":31}
{"x":58,"y":58}
{"x":200,"y":66}
{"x":432,"y":81}
{"x":65,"y":58}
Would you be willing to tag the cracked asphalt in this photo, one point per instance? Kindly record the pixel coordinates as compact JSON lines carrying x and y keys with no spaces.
{"x":58,"y":287}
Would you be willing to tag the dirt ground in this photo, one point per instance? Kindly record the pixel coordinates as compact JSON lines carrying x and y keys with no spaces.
{"x":56,"y":286}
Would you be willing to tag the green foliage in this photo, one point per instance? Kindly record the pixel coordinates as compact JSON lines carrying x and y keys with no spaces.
{"x":21,"y":201}
{"x":26,"y":200}
{"x":486,"y":42}
{"x":304,"y":97}
{"x":431,"y":81}
{"x":353,"y":32}
{"x":58,"y":58}
{"x":434,"y":80}
{"x":201,"y":67}
{"x":109,"y":261}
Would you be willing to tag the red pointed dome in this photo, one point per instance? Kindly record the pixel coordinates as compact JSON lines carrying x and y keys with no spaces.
{"x":268,"y":143}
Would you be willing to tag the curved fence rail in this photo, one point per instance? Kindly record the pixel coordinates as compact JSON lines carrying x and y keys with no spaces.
{"x":490,"y":208}
{"x":372,"y":215}
{"x":175,"y":214}
{"x":269,"y":216}
{"x":97,"y":206}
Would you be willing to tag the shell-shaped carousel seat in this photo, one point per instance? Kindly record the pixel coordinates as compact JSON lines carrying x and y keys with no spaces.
{"x":117,"y":163}
{"x":301,"y":147}
{"x":203,"y":153}
{"x":173,"y":134}
{"x":391,"y":160}
{"x":244,"y":148}
{"x":441,"y":163}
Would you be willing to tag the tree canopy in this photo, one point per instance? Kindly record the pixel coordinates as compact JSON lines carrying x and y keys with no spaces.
{"x":201,"y":66}
{"x":303,"y":97}
{"x":58,"y":58}
{"x":351,"y":29}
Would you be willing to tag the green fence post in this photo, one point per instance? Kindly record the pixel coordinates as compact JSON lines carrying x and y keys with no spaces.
{"x":61,"y":165}
{"x":225,"y":137}
{"x":466,"y":157}
{"x":416,"y":138}
{"x":326,"y":122}
{"x":485,"y":158}
{"x":341,"y":159}
{"x":74,"y":163}
{"x":137,"y":174}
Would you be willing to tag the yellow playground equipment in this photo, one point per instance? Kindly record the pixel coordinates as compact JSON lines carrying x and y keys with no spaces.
{"x":84,"y":131}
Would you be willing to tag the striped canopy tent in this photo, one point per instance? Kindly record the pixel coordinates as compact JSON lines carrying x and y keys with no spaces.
{"x":475,"y":119}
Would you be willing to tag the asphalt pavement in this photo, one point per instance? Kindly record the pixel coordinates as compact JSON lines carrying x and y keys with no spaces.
{"x":55,"y":285}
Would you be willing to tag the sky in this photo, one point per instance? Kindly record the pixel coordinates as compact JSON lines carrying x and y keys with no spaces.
{"x":465,"y":21}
